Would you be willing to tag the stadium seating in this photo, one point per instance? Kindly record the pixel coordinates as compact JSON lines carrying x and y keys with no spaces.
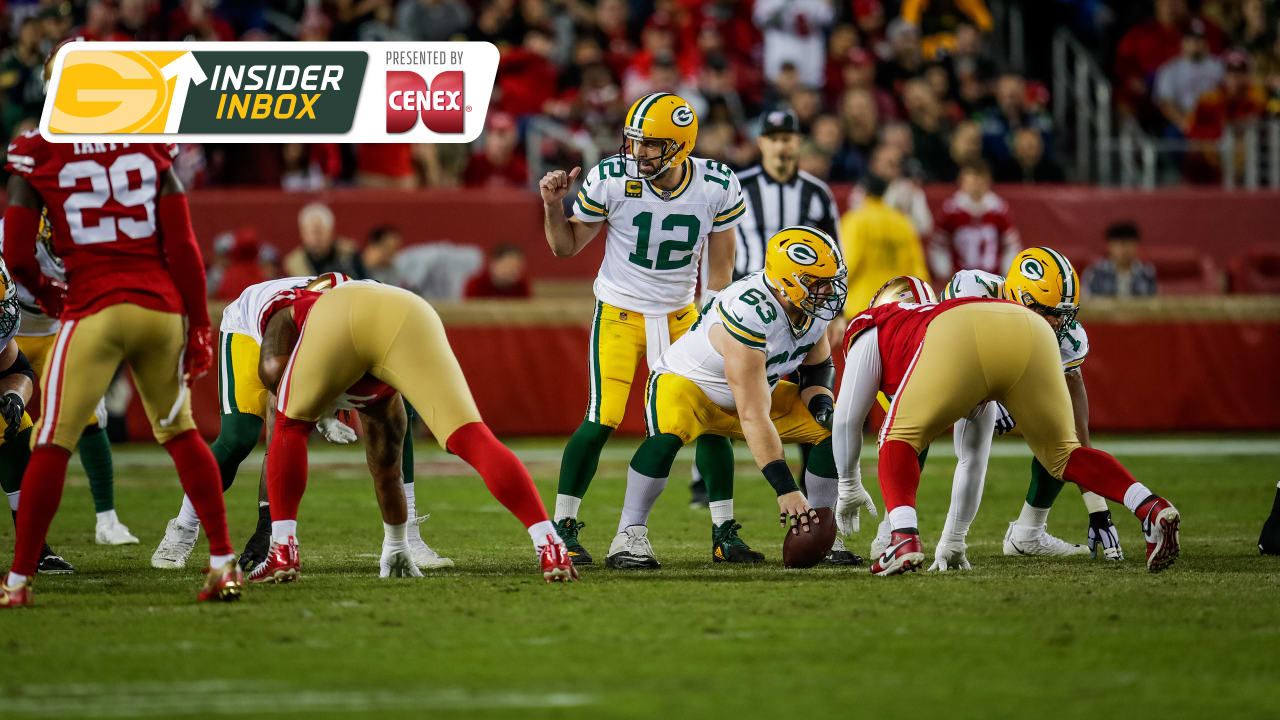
{"x":1256,"y":271}
{"x":1184,"y":271}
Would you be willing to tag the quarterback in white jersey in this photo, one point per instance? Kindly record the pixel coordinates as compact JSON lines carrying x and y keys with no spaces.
{"x":662,"y":208}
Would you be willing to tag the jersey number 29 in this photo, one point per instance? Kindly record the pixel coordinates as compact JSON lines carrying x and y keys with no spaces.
{"x":110,"y":183}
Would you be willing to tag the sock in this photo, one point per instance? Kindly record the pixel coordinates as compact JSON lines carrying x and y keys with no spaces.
{"x":107,"y":517}
{"x":899,"y":468}
{"x":287,"y":471}
{"x":1093,"y":502}
{"x":502,"y":472}
{"x":539,"y":531}
{"x":237,"y":437}
{"x":642,"y":492}
{"x":1095,"y":470}
{"x":14,"y":579}
{"x":567,"y":507}
{"x":409,"y":500}
{"x":393,"y":534}
{"x":1044,"y":487}
{"x":721,"y":511}
{"x":95,"y":457}
{"x":217,"y":561}
{"x":822,"y":490}
{"x":1032,"y":516}
{"x":14,"y":458}
{"x":713,"y":455}
{"x":1135,"y":496}
{"x":902,"y":518}
{"x":406,"y":456}
{"x":42,"y":492}
{"x":187,"y":517}
{"x":581,"y":457}
{"x":13,"y":501}
{"x":282,"y":530}
{"x":198,"y":473}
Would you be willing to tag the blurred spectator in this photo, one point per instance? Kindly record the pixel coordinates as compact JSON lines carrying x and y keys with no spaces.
{"x":1028,"y":163}
{"x":1121,"y":273}
{"x":858,"y":115}
{"x":928,"y":130}
{"x":714,"y":98}
{"x":902,"y":193}
{"x":498,"y":164}
{"x":22,"y":76}
{"x":974,"y":231}
{"x":433,"y":19}
{"x":905,"y":61}
{"x":795,"y":32}
{"x":526,"y":75}
{"x":965,"y":146}
{"x":1228,"y":108}
{"x":378,"y":256}
{"x":859,"y":73}
{"x":939,"y":20}
{"x":388,"y":165}
{"x":100,"y":23}
{"x":1147,"y":46}
{"x":320,"y":250}
{"x":503,"y":278}
{"x":968,"y":65}
{"x":1181,"y":81}
{"x":380,"y":24}
{"x":715,"y":141}
{"x":879,"y":244}
{"x":141,"y":20}
{"x":1012,"y":112}
{"x":437,"y":270}
{"x":940,"y":82}
{"x":307,"y":168}
{"x":658,"y":43}
{"x":242,"y":268}
{"x":197,"y":20}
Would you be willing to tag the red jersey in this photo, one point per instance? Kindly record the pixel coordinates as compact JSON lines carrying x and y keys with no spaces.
{"x":901,"y":331}
{"x":101,"y":203}
{"x":977,"y":234}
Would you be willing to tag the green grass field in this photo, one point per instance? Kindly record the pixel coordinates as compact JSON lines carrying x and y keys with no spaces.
{"x":1014,"y":637}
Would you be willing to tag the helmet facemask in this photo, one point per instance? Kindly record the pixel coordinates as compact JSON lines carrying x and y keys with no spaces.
{"x":631,"y":136}
{"x":824,"y":296}
{"x":1065,"y":311}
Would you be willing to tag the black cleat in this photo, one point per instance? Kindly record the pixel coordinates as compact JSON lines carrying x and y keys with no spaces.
{"x":726,"y":546}
{"x":53,"y":564}
{"x":568,"y":530}
{"x":840,"y":555}
{"x":698,"y":494}
{"x":1269,"y":540}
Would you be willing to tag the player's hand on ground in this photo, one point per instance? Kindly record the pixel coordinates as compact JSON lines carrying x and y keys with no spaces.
{"x":198,"y":357}
{"x":555,"y":185}
{"x":336,"y":431}
{"x":1104,"y":536}
{"x":11,"y":409}
{"x":852,"y":500}
{"x":1004,"y":421}
{"x":795,"y":513}
{"x":396,"y":562}
{"x":950,"y":556}
{"x":51,"y":296}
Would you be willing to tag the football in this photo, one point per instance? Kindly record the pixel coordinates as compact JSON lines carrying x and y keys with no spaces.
{"x":806,"y":549}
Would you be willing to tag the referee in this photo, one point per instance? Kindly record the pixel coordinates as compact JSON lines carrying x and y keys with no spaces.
{"x":778,"y":194}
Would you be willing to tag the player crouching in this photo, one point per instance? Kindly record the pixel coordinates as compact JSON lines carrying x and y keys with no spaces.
{"x":372,"y":340}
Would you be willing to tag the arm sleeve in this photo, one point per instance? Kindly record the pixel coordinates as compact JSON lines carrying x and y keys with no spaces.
{"x":186,"y":267}
{"x":858,"y":389}
{"x":20,"y":226}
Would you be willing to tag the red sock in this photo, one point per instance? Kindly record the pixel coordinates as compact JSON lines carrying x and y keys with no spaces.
{"x":202,"y":482}
{"x":1098,"y":472}
{"x":287,"y":466}
{"x":503,"y":473}
{"x":899,"y":474}
{"x":41,"y":492}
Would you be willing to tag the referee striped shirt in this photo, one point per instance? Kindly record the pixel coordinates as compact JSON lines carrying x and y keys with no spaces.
{"x":773,"y":205}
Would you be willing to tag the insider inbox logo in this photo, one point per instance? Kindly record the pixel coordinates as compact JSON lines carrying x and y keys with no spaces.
{"x":440,"y":103}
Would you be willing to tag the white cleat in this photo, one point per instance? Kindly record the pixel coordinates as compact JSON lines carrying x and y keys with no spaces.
{"x":173,"y":551}
{"x":397,"y":562}
{"x":110,"y":531}
{"x":630,"y":550}
{"x":423,"y":556}
{"x":1019,"y":540}
{"x":950,"y":556}
{"x":881,"y":541}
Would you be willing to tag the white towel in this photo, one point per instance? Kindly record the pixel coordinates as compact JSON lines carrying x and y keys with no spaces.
{"x":657,"y":336}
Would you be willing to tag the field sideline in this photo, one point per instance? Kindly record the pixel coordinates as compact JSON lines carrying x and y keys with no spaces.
{"x":1015,"y":637}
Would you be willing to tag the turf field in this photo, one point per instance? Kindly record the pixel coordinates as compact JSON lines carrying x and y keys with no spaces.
{"x":1015,"y":637}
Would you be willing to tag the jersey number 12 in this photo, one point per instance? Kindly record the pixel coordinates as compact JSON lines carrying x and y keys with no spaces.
{"x":667,"y":249}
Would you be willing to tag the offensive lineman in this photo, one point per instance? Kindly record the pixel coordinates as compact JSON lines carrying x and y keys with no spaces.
{"x":662,"y":207}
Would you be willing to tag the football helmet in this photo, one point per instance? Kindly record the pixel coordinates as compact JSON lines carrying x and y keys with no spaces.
{"x":804,"y":265}
{"x":327,"y":281}
{"x":904,"y":289}
{"x":7,"y":289}
{"x":1043,"y":280}
{"x":664,"y":117}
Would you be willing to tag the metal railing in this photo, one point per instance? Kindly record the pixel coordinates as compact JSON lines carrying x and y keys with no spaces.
{"x":541,"y":129}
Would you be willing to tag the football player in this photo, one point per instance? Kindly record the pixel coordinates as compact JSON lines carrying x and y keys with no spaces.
{"x":941,"y":360}
{"x":662,"y":208}
{"x":1269,"y":539}
{"x":369,"y":341}
{"x":136,"y":295}
{"x":722,"y":378}
{"x":243,"y":401}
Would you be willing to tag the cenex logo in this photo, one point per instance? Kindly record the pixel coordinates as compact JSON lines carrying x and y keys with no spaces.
{"x":441,"y":106}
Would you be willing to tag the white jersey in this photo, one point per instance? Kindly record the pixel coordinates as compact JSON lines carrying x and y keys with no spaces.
{"x":1074,"y":343}
{"x":749,"y":314}
{"x":244,"y":315}
{"x":655,"y":238}
{"x":34,"y":322}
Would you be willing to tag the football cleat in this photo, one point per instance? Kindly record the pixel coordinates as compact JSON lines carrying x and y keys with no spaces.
{"x":281,"y":565}
{"x":841,"y":555}
{"x":175,"y":547}
{"x":903,"y":554}
{"x":881,"y":540}
{"x":1269,"y":540}
{"x":630,"y":550}
{"x":15,"y":596}
{"x":223,"y":584}
{"x":698,"y":498}
{"x":568,"y":529}
{"x":726,"y":546}
{"x":950,"y":555}
{"x":1160,"y":525}
{"x":52,"y":564}
{"x":110,"y":531}
{"x":1019,"y":540}
{"x":1104,"y":536}
{"x":397,"y":561}
{"x":423,"y":556}
{"x":556,"y":564}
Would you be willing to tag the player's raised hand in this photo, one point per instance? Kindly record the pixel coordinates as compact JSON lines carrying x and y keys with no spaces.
{"x":555,"y":185}
{"x":198,"y":357}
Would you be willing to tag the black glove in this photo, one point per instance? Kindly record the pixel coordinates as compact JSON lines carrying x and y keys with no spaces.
{"x":11,"y":409}
{"x":1004,"y":421}
{"x":823,"y":409}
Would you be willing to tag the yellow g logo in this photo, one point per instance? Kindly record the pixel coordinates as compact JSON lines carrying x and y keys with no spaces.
{"x":105,"y":91}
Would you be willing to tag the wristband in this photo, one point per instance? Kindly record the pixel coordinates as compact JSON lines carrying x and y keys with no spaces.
{"x":778,"y":473}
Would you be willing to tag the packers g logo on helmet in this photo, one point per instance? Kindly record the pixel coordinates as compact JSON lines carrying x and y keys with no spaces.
{"x":662,"y":117}
{"x":804,"y":264}
{"x":1044,"y":280}
{"x":1032,"y":269}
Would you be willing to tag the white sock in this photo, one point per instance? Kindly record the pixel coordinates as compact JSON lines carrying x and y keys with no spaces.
{"x":642,"y":493}
{"x":721,"y":512}
{"x":567,"y":507}
{"x":217,"y":561}
{"x":13,"y":500}
{"x":107,"y":517}
{"x":1134,"y":496}
{"x":1032,"y":517}
{"x":187,"y":515}
{"x":409,"y":500}
{"x":822,"y":490}
{"x":1093,"y":502}
{"x":15,"y":579}
{"x":539,"y":531}
{"x":282,"y":530}
{"x":903,"y":516}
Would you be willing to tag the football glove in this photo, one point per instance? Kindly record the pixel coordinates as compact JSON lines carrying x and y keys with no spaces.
{"x":336,"y":431}
{"x":823,"y":409}
{"x":51,"y":296}
{"x":1004,"y":421}
{"x":11,"y":409}
{"x":852,"y":499}
{"x":1103,"y":534}
{"x":950,"y":556}
{"x":197,"y":359}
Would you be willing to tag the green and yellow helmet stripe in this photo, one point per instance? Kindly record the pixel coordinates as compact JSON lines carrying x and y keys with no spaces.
{"x":635,"y":119}
{"x":1068,"y":274}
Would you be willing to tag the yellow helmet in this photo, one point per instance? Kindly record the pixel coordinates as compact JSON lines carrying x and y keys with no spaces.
{"x":1043,"y":280}
{"x":804,"y":264}
{"x":664,"y":117}
{"x":904,"y":289}
{"x":7,"y":288}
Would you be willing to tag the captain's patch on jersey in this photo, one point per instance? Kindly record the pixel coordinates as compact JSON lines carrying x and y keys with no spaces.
{"x":633,"y":189}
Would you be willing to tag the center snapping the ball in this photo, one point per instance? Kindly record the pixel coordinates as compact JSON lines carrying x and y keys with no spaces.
{"x":806,"y":549}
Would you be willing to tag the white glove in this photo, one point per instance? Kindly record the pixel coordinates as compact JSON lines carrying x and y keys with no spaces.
{"x":1004,"y":421}
{"x":853,"y":498}
{"x":950,"y":556}
{"x":336,"y":431}
{"x":396,"y":562}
